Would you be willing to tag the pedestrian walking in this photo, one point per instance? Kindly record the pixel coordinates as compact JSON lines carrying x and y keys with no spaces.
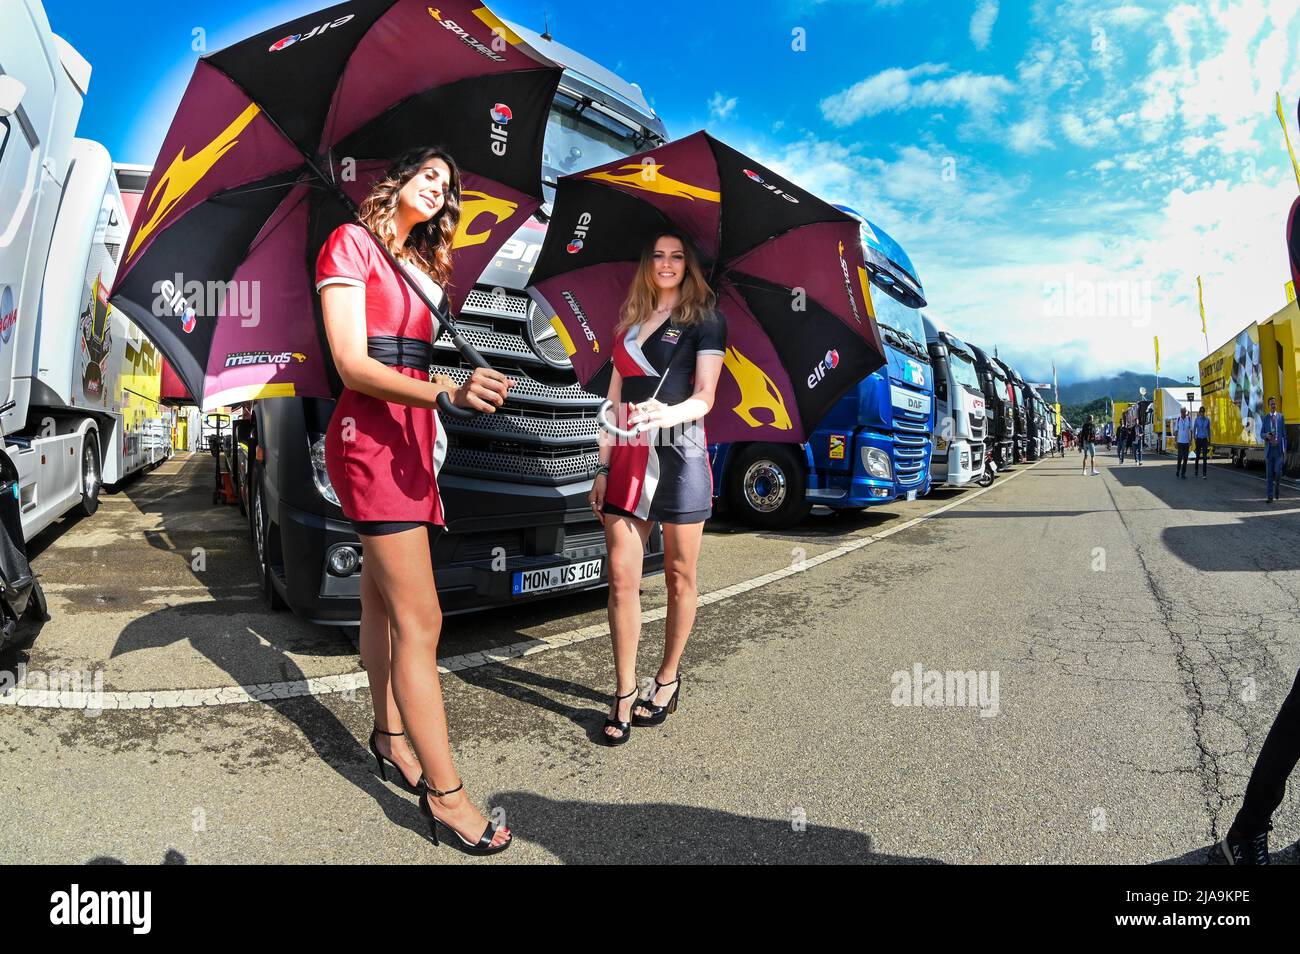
{"x":1139,"y":435}
{"x":1121,"y":435}
{"x":667,"y":326}
{"x":1246,"y":842}
{"x":1088,"y":445}
{"x":383,"y":449}
{"x":1273,"y":433}
{"x":1183,"y":441}
{"x":1201,"y":433}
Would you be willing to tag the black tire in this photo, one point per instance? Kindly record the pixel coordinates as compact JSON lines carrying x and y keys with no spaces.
{"x":91,"y":476}
{"x":38,"y":610}
{"x":766,"y":485}
{"x":260,"y":527}
{"x":986,"y":478}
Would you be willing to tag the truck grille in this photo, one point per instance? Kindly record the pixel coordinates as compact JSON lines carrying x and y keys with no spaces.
{"x":546,"y":432}
{"x":909,"y":456}
{"x":976,"y":425}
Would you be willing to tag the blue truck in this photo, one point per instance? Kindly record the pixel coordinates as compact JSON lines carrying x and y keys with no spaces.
{"x":874,"y":445}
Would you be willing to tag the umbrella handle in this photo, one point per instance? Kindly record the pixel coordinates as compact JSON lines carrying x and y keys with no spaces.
{"x":611,"y":428}
{"x":475,"y":360}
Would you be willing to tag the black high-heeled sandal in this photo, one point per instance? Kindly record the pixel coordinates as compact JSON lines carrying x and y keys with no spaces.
{"x":613,"y":723}
{"x":658,"y":714}
{"x":484,"y":844}
{"x":380,"y":760}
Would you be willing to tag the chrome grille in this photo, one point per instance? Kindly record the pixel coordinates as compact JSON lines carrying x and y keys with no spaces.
{"x":910,"y":452}
{"x":517,"y":466}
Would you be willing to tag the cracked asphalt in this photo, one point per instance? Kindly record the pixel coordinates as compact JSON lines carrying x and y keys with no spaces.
{"x":1140,"y":632}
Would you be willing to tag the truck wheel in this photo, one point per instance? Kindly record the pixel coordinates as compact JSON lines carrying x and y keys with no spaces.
{"x":260,"y":525}
{"x":90,"y":476}
{"x":766,"y":484}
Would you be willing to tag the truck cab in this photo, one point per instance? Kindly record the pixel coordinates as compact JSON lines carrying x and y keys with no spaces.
{"x":514,"y":483}
{"x":1016,"y":397}
{"x":1000,"y":412}
{"x":959,"y":417}
{"x":874,"y":444}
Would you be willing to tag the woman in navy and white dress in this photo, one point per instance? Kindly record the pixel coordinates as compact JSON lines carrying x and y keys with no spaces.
{"x":668,"y":355}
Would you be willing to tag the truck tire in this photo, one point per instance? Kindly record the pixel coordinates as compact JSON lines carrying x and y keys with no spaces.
{"x":260,"y":525}
{"x":766,"y":486}
{"x":90,"y":475}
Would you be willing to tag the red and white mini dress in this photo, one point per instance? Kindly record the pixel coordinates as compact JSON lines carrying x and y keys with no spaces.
{"x":383,"y":458}
{"x":663,"y":474}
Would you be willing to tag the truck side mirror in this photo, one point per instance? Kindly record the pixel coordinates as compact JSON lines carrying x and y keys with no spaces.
{"x":12,"y":91}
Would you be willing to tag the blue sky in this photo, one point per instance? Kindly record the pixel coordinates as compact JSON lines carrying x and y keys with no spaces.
{"x":1059,"y":172}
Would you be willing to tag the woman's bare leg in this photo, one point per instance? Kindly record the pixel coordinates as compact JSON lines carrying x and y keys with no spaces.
{"x":625,"y":544}
{"x":681,"y":559}
{"x":403,"y":571}
{"x":376,"y":654}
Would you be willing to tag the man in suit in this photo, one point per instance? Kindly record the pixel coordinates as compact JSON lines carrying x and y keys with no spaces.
{"x":1273,"y":433}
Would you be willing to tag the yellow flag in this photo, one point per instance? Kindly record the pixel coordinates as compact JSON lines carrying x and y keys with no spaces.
{"x":1290,"y":291}
{"x":1200,"y":298}
{"x":1281,"y":117}
{"x":1157,"y":354}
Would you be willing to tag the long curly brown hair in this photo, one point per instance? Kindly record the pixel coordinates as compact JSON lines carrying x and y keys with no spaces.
{"x":697,"y":298}
{"x":428,"y":246}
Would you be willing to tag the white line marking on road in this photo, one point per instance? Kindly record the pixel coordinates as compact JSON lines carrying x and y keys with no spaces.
{"x":352,"y":681}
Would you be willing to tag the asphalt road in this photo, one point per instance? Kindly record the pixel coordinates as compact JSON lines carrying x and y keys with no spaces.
{"x":1134,"y":634}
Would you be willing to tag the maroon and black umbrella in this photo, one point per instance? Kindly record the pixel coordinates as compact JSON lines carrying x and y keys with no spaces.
{"x":277,"y":138}
{"x":787,"y":266}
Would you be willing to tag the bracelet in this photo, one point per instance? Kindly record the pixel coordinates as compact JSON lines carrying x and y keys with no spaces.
{"x":602,"y":470}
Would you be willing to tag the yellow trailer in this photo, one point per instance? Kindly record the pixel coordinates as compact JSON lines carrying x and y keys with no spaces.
{"x":1239,"y":377}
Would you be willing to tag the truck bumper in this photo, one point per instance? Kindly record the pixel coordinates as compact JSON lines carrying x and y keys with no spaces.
{"x":862,"y":489}
{"x":964,"y":463}
{"x":473,"y":570}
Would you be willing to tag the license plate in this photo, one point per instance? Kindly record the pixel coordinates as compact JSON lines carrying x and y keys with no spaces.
{"x":911,"y":495}
{"x":556,"y":577}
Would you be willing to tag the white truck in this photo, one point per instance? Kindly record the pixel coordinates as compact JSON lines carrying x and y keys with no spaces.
{"x":78,"y":382}
{"x":959,"y":419}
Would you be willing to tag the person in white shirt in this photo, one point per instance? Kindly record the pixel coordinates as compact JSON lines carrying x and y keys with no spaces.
{"x":1183,"y":438}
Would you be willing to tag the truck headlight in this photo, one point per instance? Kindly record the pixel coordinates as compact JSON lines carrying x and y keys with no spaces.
{"x":876,"y":463}
{"x":319,"y":475}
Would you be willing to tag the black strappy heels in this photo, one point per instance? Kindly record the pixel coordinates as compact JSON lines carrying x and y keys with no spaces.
{"x":658,"y":714}
{"x":381,"y":760}
{"x":484,"y":844}
{"x":612,"y":723}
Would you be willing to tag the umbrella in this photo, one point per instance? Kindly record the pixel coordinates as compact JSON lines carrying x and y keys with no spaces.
{"x":275,"y":141}
{"x":788,"y":269}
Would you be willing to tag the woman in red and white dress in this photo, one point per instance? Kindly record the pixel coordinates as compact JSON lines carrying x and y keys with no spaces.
{"x":383,"y":449}
{"x":668,"y":351}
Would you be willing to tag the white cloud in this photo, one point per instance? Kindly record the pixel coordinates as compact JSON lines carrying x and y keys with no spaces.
{"x":981,"y":23}
{"x":721,"y":107}
{"x":925,"y":85}
{"x":1029,"y":135}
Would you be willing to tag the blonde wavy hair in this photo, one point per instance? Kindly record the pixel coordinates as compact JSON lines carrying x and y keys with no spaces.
{"x":697,"y":298}
{"x":428,"y":246}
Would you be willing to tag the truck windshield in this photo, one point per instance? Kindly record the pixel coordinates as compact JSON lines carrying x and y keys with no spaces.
{"x":963,"y":370}
{"x":892,"y":313}
{"x":580,"y":138}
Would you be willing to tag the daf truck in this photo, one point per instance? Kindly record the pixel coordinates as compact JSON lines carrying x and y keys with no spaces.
{"x":960,"y":421}
{"x":78,"y":382}
{"x":514,"y":483}
{"x":874,"y":444}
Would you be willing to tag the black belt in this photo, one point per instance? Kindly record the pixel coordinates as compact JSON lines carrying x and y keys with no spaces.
{"x":398,"y":352}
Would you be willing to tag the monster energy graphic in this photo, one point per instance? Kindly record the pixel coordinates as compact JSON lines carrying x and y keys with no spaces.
{"x":1246,"y":385}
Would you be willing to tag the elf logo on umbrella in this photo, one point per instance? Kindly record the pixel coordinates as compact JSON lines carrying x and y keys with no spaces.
{"x":501,"y":116}
{"x":579,"y":234}
{"x":287,"y":41}
{"x":755,"y":177}
{"x":464,"y":37}
{"x":171,"y":300}
{"x":828,"y":363}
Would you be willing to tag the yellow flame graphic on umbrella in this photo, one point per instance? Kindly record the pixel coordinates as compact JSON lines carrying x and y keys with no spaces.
{"x":185,"y":172}
{"x":650,"y":177}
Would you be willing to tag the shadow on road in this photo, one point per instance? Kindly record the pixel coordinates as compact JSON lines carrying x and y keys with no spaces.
{"x":658,"y":834}
{"x":1258,"y":537}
